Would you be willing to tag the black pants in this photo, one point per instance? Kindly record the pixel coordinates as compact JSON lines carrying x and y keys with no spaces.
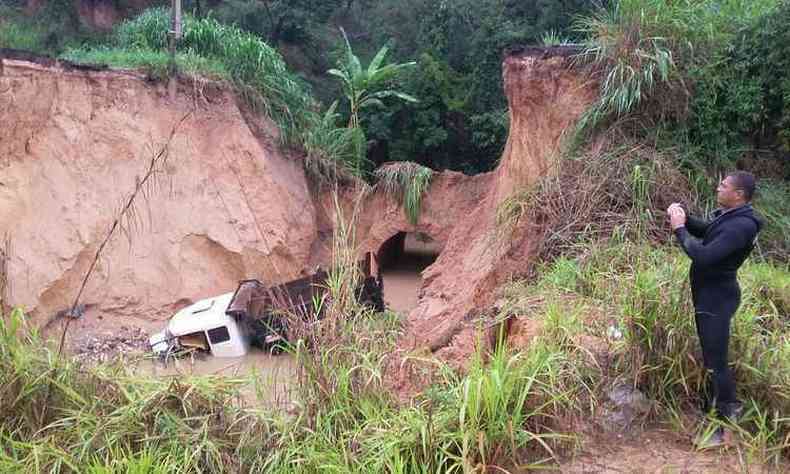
{"x":715,"y":305}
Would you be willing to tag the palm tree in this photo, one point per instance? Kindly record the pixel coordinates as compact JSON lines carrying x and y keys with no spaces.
{"x":366,"y":87}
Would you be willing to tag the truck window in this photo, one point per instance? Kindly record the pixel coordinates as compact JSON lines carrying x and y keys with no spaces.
{"x":218,"y":335}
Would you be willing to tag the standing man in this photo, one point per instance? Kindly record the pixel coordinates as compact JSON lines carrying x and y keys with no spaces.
{"x":717,"y":248}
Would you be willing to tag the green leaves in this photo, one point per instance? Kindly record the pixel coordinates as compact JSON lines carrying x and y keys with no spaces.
{"x":363,"y":87}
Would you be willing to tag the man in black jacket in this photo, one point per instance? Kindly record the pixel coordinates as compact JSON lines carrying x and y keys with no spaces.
{"x":717,"y":248}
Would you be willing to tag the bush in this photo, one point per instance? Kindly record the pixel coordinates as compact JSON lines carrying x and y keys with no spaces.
{"x":659,"y":351}
{"x":742,"y":101}
{"x":256,"y":68}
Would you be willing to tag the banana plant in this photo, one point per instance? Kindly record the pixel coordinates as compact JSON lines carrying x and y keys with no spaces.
{"x":368,"y":87}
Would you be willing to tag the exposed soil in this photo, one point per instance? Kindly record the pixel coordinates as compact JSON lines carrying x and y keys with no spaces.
{"x":546,"y":95}
{"x":230,"y":204}
{"x":658,"y":450}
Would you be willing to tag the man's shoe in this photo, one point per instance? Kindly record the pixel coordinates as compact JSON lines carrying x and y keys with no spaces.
{"x":733,"y":412}
{"x":708,"y":439}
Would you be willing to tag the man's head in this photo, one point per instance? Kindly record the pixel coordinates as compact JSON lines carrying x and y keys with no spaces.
{"x":736,"y":189}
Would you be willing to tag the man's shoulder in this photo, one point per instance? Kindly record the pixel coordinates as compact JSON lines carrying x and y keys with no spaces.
{"x":743,"y":222}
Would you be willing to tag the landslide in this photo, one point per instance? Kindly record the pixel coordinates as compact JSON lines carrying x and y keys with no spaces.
{"x":234,"y":205}
{"x":546,"y":95}
{"x":73,"y":143}
{"x":231,"y":204}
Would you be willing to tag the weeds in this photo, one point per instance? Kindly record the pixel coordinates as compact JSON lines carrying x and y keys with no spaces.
{"x":155,"y":63}
{"x":773,"y":204}
{"x":332,"y":151}
{"x":642,"y":52}
{"x":408,"y":181}
{"x":622,"y":190}
{"x":100,"y":420}
{"x":257,"y":71}
{"x":634,"y":55}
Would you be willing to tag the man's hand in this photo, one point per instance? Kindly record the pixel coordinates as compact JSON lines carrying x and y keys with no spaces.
{"x":677,"y":216}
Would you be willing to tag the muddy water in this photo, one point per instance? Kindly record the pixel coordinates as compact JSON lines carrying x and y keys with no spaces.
{"x":403,"y":279}
{"x":270,"y":379}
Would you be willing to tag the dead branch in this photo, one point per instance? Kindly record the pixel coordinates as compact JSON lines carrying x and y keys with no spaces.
{"x":5,"y":250}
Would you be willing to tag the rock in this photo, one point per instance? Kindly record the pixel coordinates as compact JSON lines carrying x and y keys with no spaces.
{"x":624,"y":406}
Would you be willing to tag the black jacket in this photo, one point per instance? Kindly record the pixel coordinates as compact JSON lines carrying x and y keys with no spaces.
{"x":718,"y":248}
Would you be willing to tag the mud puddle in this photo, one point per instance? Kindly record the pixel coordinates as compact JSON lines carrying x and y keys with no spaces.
{"x":402,"y":273}
{"x":270,"y":379}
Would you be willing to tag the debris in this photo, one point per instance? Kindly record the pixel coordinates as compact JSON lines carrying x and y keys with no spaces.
{"x":94,"y":349}
{"x":625,"y":404}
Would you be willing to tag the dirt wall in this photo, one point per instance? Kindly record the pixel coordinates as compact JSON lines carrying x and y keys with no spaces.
{"x":231,"y":204}
{"x":546,"y":94}
{"x":74,"y":143}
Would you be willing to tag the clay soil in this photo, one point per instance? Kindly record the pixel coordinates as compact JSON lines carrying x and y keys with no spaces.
{"x":658,"y":450}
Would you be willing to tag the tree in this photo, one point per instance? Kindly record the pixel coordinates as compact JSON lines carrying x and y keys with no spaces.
{"x":367,"y":87}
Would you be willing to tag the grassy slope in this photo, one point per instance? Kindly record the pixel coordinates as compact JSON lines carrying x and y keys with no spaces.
{"x":512,"y":410}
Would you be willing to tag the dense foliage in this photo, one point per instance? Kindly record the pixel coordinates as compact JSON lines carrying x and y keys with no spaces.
{"x":742,"y":103}
{"x":461,"y":120}
{"x":712,"y":71}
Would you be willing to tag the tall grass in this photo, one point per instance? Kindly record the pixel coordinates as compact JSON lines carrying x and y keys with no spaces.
{"x":407,"y":181}
{"x":621,"y":188}
{"x":645,"y":290}
{"x":104,"y":420}
{"x":255,"y":67}
{"x":505,"y":411}
{"x":642,"y":50}
{"x":773,"y":204}
{"x":16,"y":36}
{"x":155,"y":63}
{"x":219,"y":51}
{"x":332,"y":151}
{"x":513,"y":409}
{"x":54,"y":28}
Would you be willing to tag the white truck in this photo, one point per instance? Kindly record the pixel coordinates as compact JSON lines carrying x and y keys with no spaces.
{"x":229,"y":324}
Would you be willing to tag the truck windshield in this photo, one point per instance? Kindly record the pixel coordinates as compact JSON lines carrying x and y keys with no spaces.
{"x":218,"y":335}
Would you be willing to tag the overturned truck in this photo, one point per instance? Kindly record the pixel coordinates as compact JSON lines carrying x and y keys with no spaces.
{"x":258,"y":315}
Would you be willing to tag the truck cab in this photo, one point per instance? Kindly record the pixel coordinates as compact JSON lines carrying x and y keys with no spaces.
{"x":204,"y":325}
{"x":256,"y":314}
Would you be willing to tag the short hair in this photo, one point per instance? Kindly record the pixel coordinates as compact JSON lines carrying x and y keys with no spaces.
{"x":745,"y":182}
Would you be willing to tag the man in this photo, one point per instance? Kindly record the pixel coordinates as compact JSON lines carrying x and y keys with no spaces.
{"x":717,"y":249}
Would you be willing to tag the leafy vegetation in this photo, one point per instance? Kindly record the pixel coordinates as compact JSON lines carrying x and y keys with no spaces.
{"x":255,"y":68}
{"x":155,"y":63}
{"x":687,"y":89}
{"x":408,"y":181}
{"x":690,"y":71}
{"x":741,"y":109}
{"x":511,"y":408}
{"x":361,"y":87}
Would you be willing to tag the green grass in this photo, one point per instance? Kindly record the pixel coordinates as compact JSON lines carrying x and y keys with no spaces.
{"x":257,"y":71}
{"x":54,"y":28}
{"x":643,"y":50}
{"x":155,"y":63}
{"x":408,"y":181}
{"x":509,"y":410}
{"x":773,"y":203}
{"x":649,"y":290}
{"x":17,"y":36}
